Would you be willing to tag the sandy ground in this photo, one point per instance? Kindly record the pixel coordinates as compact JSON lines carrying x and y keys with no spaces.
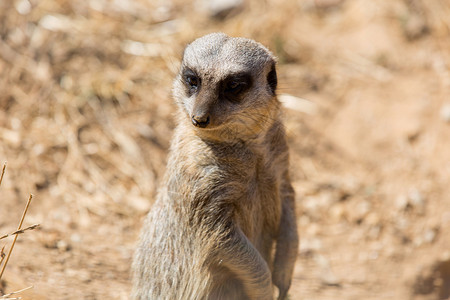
{"x":86,"y":118}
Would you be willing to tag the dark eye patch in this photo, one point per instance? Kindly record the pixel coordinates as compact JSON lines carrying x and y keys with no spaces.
{"x":191,"y":80}
{"x":234,"y":85}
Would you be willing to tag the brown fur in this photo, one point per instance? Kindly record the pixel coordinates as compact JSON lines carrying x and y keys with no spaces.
{"x":223,"y":225}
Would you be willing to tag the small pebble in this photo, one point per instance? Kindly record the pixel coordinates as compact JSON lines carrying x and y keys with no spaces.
{"x":429,"y":236}
{"x":62,"y":245}
{"x":310,"y":245}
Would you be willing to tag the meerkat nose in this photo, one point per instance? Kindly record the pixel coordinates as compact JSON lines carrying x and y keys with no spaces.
{"x":201,"y":122}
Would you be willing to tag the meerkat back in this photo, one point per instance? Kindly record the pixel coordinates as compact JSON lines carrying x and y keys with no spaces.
{"x":223,"y":225}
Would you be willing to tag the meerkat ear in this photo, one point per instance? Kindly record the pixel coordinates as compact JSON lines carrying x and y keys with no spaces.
{"x":272,"y":80}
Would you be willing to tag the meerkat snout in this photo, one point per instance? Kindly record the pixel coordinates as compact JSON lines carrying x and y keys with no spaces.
{"x":203,"y":107}
{"x":200,"y":121}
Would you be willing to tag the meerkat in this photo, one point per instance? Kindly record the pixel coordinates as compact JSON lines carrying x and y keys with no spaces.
{"x":223,"y":225}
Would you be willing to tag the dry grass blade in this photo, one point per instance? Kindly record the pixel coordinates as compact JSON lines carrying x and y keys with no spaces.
{"x":6,"y":296}
{"x":3,"y":173}
{"x":34,"y":226}
{"x":15,"y":237}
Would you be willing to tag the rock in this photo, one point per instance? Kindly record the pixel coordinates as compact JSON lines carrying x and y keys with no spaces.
{"x":401,"y":202}
{"x":415,"y":27}
{"x":434,"y":280}
{"x":11,"y":137}
{"x":415,"y":23}
{"x":428,"y":237}
{"x":327,"y":276}
{"x":417,"y":201}
{"x":413,"y":201}
{"x":358,"y":212}
{"x":445,"y":112}
{"x":322,"y":5}
{"x":373,"y":255}
{"x":82,"y":275}
{"x":374,"y":232}
{"x":416,"y":198}
{"x":23,"y":7}
{"x":310,"y":245}
{"x":445,"y":256}
{"x":220,"y":9}
{"x":76,"y":238}
{"x":337,"y":211}
{"x":313,"y":229}
{"x":62,"y":246}
{"x":372,"y":219}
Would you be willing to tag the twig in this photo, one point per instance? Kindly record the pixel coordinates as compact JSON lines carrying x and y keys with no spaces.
{"x":16,"y":292}
{"x":20,"y":231}
{"x":3,"y":173}
{"x":15,"y":237}
{"x":2,"y":255}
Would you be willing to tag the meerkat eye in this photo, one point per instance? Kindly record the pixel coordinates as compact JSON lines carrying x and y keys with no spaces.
{"x":191,"y":80}
{"x":234,"y":86}
{"x":237,"y":84}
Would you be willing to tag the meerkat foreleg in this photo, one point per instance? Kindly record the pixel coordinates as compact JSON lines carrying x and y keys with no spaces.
{"x":287,"y":242}
{"x":241,"y":258}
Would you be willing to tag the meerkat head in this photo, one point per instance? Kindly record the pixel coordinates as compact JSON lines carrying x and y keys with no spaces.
{"x":226,"y":86}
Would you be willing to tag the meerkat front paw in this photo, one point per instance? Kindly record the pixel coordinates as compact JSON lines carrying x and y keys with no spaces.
{"x":282,"y":281}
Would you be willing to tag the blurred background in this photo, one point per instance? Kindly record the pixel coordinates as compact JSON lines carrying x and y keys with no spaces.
{"x":86,"y":118}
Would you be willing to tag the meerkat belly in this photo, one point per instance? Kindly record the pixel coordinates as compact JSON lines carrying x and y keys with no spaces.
{"x":269,"y":200}
{"x":262,"y":204}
